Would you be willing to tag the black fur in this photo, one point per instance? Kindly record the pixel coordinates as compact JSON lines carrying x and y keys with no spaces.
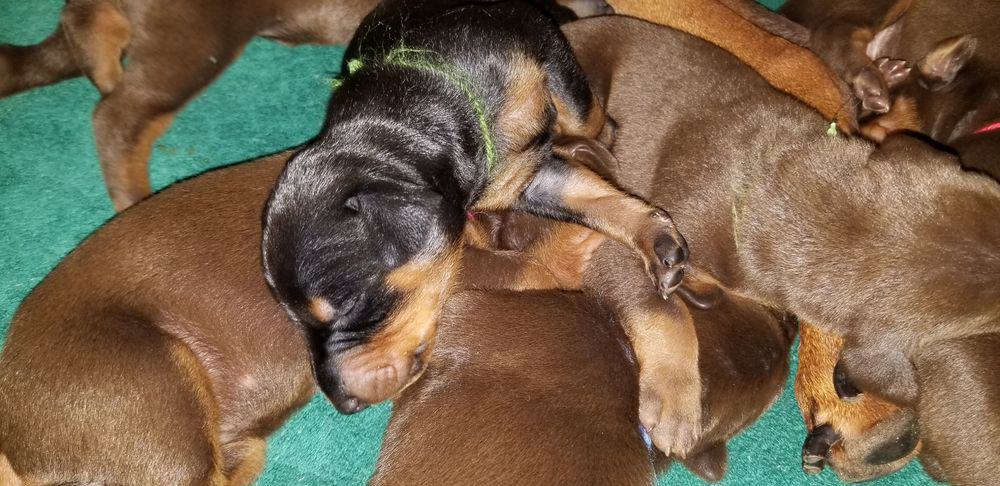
{"x":399,"y":161}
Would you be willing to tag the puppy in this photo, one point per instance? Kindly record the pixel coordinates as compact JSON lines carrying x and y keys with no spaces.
{"x":839,"y":233}
{"x":940,"y":72}
{"x":543,"y":387}
{"x":174,"y":50}
{"x":849,"y":431}
{"x":150,"y":355}
{"x":861,"y":436}
{"x":444,"y":109}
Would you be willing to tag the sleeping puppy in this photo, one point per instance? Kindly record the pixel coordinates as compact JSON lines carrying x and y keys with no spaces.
{"x":443,"y":110}
{"x":940,"y":70}
{"x":847,"y":237}
{"x":861,"y":436}
{"x":150,"y":354}
{"x":175,"y":48}
{"x":543,"y":387}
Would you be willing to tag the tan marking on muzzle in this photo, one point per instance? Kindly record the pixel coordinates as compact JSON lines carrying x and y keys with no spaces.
{"x":382,"y":367}
{"x":818,"y":400}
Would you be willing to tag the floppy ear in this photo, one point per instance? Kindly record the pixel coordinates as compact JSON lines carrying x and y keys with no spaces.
{"x":699,"y":293}
{"x":591,"y":153}
{"x":709,"y":464}
{"x":885,"y":42}
{"x":949,"y":56}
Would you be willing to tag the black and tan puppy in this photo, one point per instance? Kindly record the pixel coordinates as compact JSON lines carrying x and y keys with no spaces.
{"x":175,"y":48}
{"x":445,"y":109}
{"x":897,"y":249}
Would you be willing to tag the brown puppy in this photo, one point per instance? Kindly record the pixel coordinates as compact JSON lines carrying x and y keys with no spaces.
{"x":157,"y":330}
{"x":936,"y":57}
{"x":546,"y":383}
{"x":846,"y":237}
{"x":813,"y":83}
{"x":175,"y":49}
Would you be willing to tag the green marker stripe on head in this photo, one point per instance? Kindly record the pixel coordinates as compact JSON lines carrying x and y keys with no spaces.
{"x":430,"y":61}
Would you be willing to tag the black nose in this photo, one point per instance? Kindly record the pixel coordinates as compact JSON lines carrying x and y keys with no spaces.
{"x":329,"y":383}
{"x":816,"y":446}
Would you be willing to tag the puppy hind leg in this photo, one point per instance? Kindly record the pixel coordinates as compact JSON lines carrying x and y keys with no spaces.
{"x":125,"y":131}
{"x":98,"y":34}
{"x":244,"y":460}
{"x":157,"y":83}
{"x":665,"y":343}
{"x":26,"y":67}
{"x":567,"y":190}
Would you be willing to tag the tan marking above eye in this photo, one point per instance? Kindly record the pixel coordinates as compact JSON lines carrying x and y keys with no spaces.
{"x":322,"y":309}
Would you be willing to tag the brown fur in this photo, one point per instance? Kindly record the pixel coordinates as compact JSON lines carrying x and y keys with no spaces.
{"x":175,"y":49}
{"x":783,"y":64}
{"x":200,"y":372}
{"x":224,"y":376}
{"x":509,"y":370}
{"x":847,"y":237}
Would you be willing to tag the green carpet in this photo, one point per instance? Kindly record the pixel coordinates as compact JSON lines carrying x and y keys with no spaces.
{"x":51,"y":197}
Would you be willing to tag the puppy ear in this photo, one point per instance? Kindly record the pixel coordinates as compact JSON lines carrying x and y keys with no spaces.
{"x":948,"y":57}
{"x":699,"y":293}
{"x":593,"y":154}
{"x":709,"y":464}
{"x":885,"y":42}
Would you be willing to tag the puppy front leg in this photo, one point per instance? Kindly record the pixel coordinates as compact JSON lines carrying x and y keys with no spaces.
{"x":666,"y":347}
{"x":555,"y":261}
{"x":565,"y":189}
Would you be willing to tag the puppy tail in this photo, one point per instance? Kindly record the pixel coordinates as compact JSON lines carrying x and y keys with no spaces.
{"x":7,"y":475}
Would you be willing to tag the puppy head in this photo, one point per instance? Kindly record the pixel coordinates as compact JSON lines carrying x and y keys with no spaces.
{"x":362,"y":256}
{"x":942,"y":94}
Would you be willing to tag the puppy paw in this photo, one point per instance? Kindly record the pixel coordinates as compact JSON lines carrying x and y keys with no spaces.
{"x":670,"y":409}
{"x":871,"y":90}
{"x":894,"y":71}
{"x":665,"y":253}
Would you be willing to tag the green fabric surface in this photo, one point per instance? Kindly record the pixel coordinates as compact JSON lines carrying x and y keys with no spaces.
{"x":273,"y":97}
